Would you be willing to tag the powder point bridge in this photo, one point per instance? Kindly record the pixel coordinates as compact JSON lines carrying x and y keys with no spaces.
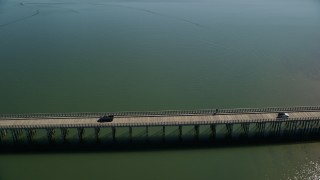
{"x":210,"y":123}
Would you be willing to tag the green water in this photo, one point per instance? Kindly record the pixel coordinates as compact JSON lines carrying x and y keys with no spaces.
{"x":119,"y":55}
{"x":298,"y":161}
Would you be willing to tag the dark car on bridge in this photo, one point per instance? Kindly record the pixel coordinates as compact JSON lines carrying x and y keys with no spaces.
{"x":108,"y":118}
{"x":282,"y":115}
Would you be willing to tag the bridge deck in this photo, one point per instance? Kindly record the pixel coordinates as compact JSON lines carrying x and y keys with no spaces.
{"x":145,"y":121}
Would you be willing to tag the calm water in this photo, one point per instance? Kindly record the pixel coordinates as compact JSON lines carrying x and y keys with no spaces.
{"x":118,"y":55}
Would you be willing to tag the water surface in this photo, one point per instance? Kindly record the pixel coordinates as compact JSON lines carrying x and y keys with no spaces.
{"x":61,"y":56}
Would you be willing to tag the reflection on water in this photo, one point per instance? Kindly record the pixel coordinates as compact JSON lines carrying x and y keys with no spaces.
{"x":309,"y":170}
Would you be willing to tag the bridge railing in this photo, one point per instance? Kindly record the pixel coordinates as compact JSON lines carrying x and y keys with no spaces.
{"x":162,"y":113}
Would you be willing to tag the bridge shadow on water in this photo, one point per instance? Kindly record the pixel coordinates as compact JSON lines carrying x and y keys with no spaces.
{"x":147,"y":146}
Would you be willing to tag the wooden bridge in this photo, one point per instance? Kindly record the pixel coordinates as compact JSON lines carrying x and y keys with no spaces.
{"x":231,"y":123}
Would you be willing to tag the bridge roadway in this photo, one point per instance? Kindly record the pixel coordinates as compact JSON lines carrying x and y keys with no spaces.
{"x":122,"y":121}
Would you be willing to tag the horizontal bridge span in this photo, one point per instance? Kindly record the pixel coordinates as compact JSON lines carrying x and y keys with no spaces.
{"x":164,"y":113}
{"x":122,"y":121}
{"x":186,"y":123}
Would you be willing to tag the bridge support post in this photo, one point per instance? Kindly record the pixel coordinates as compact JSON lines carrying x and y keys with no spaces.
{"x":314,"y":124}
{"x":315,"y":128}
{"x":261,"y":129}
{"x":229,"y":127}
{"x":30,"y":133}
{"x":288,"y":129}
{"x":297,"y":129}
{"x":64,"y":133}
{"x":279,"y":128}
{"x":294,"y":128}
{"x":16,"y":135}
{"x":276,"y":128}
{"x":196,"y":132}
{"x":213,"y":131}
{"x":96,"y":134}
{"x":306,"y":131}
{"x":163,"y":133}
{"x":180,"y":133}
{"x":130,"y":134}
{"x":3,"y":133}
{"x":310,"y":123}
{"x":257,"y":129}
{"x":245,"y":129}
{"x":304,"y":128}
{"x":272,"y":129}
{"x":80,"y":134}
{"x":318,"y":129}
{"x":310,"y":127}
{"x":114,"y":140}
{"x":50,"y":133}
{"x":147,"y":133}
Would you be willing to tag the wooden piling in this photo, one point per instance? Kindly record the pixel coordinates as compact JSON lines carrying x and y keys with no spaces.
{"x":64,"y":133}
{"x":96,"y":133}
{"x":130,"y":134}
{"x":180,"y":133}
{"x":260,"y":129}
{"x":50,"y":133}
{"x":196,"y":132}
{"x":15,"y":135}
{"x":315,"y":128}
{"x":245,"y":129}
{"x":147,"y":133}
{"x":114,"y":140}
{"x":163,"y":133}
{"x":80,"y":134}
{"x":29,"y":134}
{"x":229,"y":127}
{"x":2,"y":134}
{"x":213,"y":131}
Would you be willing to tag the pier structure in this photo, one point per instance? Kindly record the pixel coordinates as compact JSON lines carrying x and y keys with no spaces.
{"x":194,"y":124}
